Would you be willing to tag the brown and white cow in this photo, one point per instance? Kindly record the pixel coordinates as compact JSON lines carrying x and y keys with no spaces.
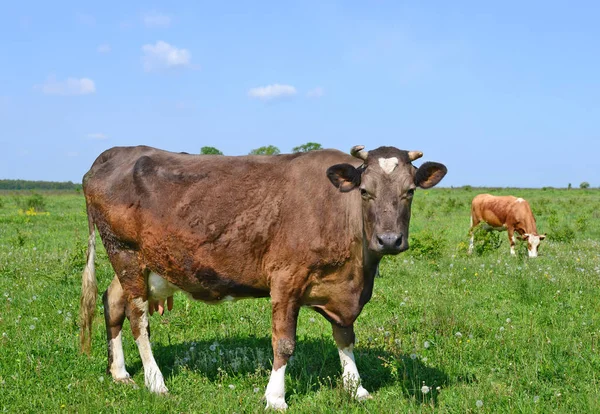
{"x":222,"y":228}
{"x":506,"y":213}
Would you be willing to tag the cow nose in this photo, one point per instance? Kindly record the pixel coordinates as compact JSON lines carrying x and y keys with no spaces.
{"x":390,"y":241}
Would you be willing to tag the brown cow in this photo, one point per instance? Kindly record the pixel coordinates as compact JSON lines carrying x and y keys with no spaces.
{"x":506,"y":213}
{"x":222,"y":228}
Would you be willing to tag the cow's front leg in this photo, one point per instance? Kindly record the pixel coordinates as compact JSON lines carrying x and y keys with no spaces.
{"x":511,"y":240}
{"x":344,"y":338}
{"x":138,"y":318}
{"x":285,"y":317}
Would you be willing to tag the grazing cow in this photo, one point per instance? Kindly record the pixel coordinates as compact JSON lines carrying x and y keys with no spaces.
{"x":222,"y":228}
{"x":506,"y":213}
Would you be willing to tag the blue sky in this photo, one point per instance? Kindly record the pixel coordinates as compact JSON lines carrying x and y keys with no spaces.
{"x":504,"y":93}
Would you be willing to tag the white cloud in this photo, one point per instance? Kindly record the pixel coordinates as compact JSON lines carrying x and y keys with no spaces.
{"x":97,"y":136}
{"x":273,"y":91}
{"x":154,"y":19}
{"x":315,"y":92}
{"x":71,"y":86}
{"x":104,"y":48}
{"x":164,"y":56}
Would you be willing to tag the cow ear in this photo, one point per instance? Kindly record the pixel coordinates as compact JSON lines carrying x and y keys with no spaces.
{"x":542,"y":236}
{"x":429,"y":174}
{"x":525,"y":236}
{"x":344,"y":176}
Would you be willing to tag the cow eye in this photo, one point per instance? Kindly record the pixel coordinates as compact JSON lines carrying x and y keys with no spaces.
{"x":364,"y":193}
{"x":410,"y":192}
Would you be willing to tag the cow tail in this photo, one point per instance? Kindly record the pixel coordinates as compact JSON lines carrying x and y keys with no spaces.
{"x":89,"y":291}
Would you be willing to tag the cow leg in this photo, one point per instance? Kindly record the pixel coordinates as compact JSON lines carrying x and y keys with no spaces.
{"x":511,"y":240}
{"x":140,"y":327}
{"x":344,"y":338}
{"x":472,"y":234}
{"x":285,"y":318}
{"x":114,"y":316}
{"x":133,"y":281}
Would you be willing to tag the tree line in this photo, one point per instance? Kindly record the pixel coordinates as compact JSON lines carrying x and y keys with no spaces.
{"x":266,"y":150}
{"x":38,"y":185}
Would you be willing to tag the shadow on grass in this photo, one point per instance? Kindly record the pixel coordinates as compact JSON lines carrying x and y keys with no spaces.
{"x":315,"y":364}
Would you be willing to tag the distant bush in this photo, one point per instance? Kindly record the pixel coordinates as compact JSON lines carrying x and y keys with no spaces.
{"x":553,"y":219}
{"x":452,"y":204}
{"x":309,"y":146}
{"x":210,"y":151}
{"x":485,"y":241}
{"x":584,"y":185}
{"x":562,"y":233}
{"x":35,"y":202}
{"x":427,"y":243}
{"x":582,"y":223}
{"x":266,"y":150}
{"x":467,"y":187}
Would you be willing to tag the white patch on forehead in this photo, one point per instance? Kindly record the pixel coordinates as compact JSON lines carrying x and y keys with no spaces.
{"x":534,"y":242}
{"x":388,"y":164}
{"x":520,"y":200}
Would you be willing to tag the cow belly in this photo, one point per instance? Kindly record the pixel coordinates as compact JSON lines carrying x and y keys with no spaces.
{"x":160,"y":288}
{"x":486,"y":226}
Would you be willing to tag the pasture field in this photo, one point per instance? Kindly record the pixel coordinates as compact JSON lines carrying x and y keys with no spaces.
{"x":444,"y":332}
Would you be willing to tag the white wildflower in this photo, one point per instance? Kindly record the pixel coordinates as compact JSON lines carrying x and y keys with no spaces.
{"x":479,"y":403}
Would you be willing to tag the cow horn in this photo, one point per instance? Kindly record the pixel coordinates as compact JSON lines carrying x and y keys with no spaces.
{"x":414,"y":155}
{"x":359,"y":152}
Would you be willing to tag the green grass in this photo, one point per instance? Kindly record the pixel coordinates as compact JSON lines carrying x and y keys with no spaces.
{"x":516,"y":334}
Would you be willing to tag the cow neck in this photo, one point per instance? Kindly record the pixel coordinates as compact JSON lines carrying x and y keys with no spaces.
{"x":370,"y":263}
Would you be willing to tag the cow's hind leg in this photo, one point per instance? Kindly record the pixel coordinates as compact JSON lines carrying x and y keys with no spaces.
{"x":472,"y":233}
{"x":344,"y":338}
{"x":114,"y":315}
{"x":133,"y":282}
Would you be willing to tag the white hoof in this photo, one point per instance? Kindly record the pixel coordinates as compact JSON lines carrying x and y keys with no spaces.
{"x":275,"y":403}
{"x":362,"y":394}
{"x":155,"y":383}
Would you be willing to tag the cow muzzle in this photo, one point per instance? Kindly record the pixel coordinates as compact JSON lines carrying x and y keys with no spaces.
{"x":390,"y":243}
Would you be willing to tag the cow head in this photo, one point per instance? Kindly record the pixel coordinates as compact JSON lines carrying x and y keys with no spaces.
{"x":533,"y":241}
{"x":386,"y":181}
